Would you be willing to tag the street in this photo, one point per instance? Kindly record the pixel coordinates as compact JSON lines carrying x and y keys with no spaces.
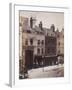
{"x":46,"y":72}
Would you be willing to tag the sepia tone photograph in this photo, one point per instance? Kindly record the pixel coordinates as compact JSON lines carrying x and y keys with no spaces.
{"x":41,"y":44}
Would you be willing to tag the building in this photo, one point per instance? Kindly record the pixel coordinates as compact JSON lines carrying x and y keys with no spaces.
{"x":23,"y":26}
{"x":33,"y":45}
{"x":50,"y":46}
{"x":60,"y":44}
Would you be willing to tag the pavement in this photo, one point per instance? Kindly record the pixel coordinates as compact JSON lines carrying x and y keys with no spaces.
{"x":47,"y":72}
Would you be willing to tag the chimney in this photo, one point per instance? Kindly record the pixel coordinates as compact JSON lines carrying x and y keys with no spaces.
{"x":40,"y":25}
{"x":53,"y":27}
{"x":31,"y":22}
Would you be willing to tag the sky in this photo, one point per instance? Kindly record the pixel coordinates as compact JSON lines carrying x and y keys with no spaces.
{"x":47,"y":18}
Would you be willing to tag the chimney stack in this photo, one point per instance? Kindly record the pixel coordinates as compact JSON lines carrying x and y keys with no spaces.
{"x":53,"y":27}
{"x":31,"y":22}
{"x":40,"y":25}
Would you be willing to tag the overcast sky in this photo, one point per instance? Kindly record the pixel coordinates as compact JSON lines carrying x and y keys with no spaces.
{"x":47,"y":18}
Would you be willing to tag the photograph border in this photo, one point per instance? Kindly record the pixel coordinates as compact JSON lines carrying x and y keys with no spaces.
{"x":14,"y":38}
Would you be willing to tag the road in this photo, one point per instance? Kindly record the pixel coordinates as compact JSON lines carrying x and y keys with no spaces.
{"x":46,"y":72}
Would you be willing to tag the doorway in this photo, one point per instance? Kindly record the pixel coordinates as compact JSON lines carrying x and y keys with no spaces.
{"x":29,"y":59}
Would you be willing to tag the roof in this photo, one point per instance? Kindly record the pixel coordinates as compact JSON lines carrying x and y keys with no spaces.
{"x":38,"y":30}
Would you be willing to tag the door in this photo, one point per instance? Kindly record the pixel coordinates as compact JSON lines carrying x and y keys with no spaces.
{"x":29,"y":58}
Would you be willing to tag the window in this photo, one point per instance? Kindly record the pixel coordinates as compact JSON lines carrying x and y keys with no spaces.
{"x":42,"y":51}
{"x":48,"y":51}
{"x":59,"y":43}
{"x":53,"y":51}
{"x":51,"y":34}
{"x":58,"y":36}
{"x":26,"y":42}
{"x":38,"y":51}
{"x":38,"y":42}
{"x":28,"y":31}
{"x":31,"y":41}
{"x":59,"y":52}
{"x":42,"y":42}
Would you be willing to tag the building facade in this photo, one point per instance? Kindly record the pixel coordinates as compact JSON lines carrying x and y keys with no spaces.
{"x":50,"y":46}
{"x":60,"y":45}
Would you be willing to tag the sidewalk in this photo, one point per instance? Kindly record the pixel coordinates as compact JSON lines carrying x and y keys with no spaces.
{"x":45,"y":71}
{"x":46,"y":68}
{"x":53,"y":67}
